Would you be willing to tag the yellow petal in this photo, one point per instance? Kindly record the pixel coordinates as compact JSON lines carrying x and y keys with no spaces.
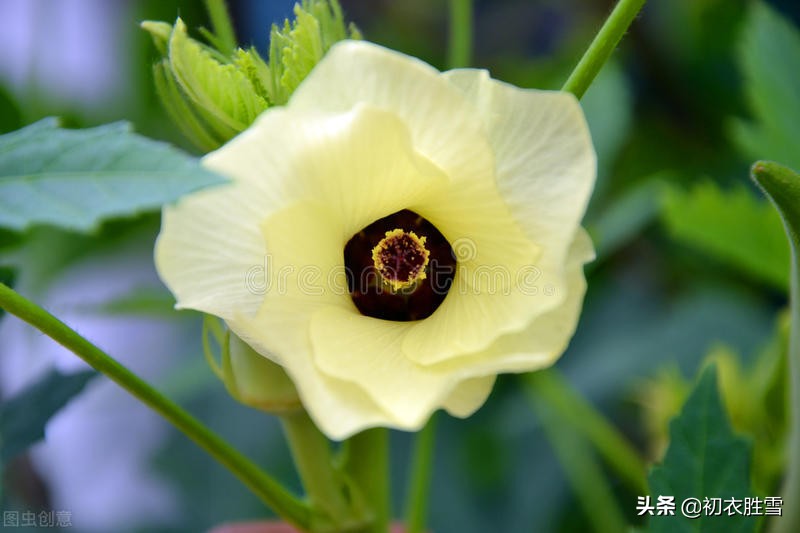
{"x":545,"y":162}
{"x":359,"y":162}
{"x":210,"y":252}
{"x":304,"y":242}
{"x":443,"y":125}
{"x":339,"y":408}
{"x":545,"y":339}
{"x":366,"y":351}
{"x":468,"y":396}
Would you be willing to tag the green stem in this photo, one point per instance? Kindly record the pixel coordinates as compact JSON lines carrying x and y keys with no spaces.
{"x":419,"y":482}
{"x":270,"y":491}
{"x":603,"y":45}
{"x":459,"y":51}
{"x":782,"y":186}
{"x":311,"y":451}
{"x":583,"y":472}
{"x":222,"y":25}
{"x":549,"y":387}
{"x":368,"y":466}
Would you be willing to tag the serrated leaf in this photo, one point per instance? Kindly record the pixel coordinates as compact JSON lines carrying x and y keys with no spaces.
{"x":221,"y":89}
{"x":76,"y":178}
{"x":734,"y":226}
{"x":705,"y":459}
{"x":769,"y":58}
{"x":23,"y":418}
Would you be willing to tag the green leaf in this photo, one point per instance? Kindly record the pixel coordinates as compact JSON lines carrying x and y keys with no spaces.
{"x":770,"y":60}
{"x":221,"y":89}
{"x":76,"y":178}
{"x":734,"y":226}
{"x":705,"y":459}
{"x":23,"y":418}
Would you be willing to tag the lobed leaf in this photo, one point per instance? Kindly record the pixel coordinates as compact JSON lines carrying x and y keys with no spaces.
{"x":732,"y":225}
{"x":770,"y":60}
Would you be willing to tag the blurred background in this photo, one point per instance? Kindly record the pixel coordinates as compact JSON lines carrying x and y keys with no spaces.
{"x":691,"y":260}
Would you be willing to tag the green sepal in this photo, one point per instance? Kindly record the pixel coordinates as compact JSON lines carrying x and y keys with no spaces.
{"x":220,"y":89}
{"x":179,"y":109}
{"x":160,"y":32}
{"x":296,"y":47}
{"x":213,"y":95}
{"x":255,"y":68}
{"x":250,"y":377}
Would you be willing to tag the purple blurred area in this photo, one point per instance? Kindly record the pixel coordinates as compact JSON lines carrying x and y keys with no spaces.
{"x":117,"y":467}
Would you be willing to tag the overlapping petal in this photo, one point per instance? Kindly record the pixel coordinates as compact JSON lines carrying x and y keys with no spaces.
{"x":545,"y":162}
{"x":503,"y":173}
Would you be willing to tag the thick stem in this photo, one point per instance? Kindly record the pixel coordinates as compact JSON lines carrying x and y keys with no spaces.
{"x":603,"y":45}
{"x":782,"y":186}
{"x":368,"y":466}
{"x":791,"y":490}
{"x":459,"y":51}
{"x":420,"y":479}
{"x":312,"y":457}
{"x":270,"y":491}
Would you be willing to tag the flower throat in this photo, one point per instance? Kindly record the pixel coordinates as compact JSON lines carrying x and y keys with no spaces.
{"x":399,"y":268}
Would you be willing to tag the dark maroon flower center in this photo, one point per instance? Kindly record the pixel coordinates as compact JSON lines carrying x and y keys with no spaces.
{"x":400,"y":267}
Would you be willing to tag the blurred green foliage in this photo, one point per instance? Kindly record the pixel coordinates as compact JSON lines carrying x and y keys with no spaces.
{"x":690,"y":257}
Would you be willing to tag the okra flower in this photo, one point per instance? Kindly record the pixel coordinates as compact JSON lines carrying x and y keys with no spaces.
{"x":394,"y":237}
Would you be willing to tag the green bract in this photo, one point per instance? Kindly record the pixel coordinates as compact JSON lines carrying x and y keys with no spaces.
{"x":212,"y":96}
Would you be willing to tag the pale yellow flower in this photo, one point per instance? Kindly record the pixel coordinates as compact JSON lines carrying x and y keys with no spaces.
{"x":504,"y":174}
